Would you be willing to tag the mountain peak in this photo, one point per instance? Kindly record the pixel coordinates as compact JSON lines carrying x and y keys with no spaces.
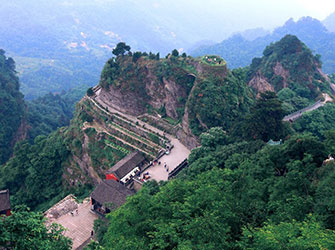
{"x":288,"y":64}
{"x":329,"y":22}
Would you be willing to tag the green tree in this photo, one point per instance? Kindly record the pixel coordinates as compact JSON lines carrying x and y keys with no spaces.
{"x":182,"y":215}
{"x":324,"y":205}
{"x":317,"y":121}
{"x":289,"y":235}
{"x":175,"y":53}
{"x":137,"y":55}
{"x":90,"y":92}
{"x":26,"y":230}
{"x":120,"y":49}
{"x":94,"y":245}
{"x":34,"y":175}
{"x":265,"y":119}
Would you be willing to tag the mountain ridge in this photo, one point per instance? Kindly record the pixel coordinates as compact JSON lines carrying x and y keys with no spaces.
{"x":239,"y":52}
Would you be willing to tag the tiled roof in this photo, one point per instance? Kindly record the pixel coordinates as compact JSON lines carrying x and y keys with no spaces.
{"x":110,"y":191}
{"x":4,"y":200}
{"x":127,"y":164}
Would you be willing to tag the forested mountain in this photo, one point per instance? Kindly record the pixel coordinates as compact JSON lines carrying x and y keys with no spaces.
{"x":239,"y":51}
{"x":86,"y":148}
{"x":199,"y":89}
{"x":51,"y":111}
{"x":26,"y":120}
{"x":289,"y":68}
{"x":252,"y":34}
{"x":12,"y":108}
{"x":194,"y":94}
{"x":238,"y":192}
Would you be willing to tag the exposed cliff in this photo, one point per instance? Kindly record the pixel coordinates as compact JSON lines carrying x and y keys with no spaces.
{"x":147,"y":84}
{"x":181,"y":88}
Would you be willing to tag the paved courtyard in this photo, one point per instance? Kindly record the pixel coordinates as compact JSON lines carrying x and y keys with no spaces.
{"x":177,"y":155}
{"x":79,"y":225}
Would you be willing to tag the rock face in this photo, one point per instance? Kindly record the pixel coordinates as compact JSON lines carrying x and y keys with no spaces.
{"x":127,"y":102}
{"x":185,"y":134}
{"x":156,"y":88}
{"x":171,"y":91}
{"x":325,"y":76}
{"x":21,"y":132}
{"x":164,"y":92}
{"x":260,"y":84}
{"x":165,"y":87}
{"x":279,"y":70}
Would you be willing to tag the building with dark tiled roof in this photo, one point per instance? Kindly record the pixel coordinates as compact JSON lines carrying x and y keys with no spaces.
{"x":109,"y":195}
{"x":127,"y":168}
{"x":4,"y":203}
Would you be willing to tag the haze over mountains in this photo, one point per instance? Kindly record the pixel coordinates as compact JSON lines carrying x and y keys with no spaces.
{"x":58,"y":45}
{"x":239,"y":49}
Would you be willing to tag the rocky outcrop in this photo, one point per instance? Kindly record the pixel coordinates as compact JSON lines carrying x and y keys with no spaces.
{"x":21,"y":132}
{"x":165,"y":93}
{"x":325,"y":76}
{"x":185,"y":135}
{"x":260,"y":84}
{"x":279,"y":70}
{"x":159,"y":84}
{"x":127,"y":102}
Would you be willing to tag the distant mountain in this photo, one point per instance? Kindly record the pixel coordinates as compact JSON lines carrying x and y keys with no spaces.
{"x":61,"y":44}
{"x":202,"y":43}
{"x":238,"y":51}
{"x":252,"y":34}
{"x":289,"y":68}
{"x":329,"y":22}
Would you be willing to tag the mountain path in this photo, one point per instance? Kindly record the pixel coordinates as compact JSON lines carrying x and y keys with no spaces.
{"x":296,"y":115}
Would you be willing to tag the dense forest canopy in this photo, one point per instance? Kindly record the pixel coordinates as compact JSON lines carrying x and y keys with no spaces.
{"x":52,"y":111}
{"x":26,"y":120}
{"x":235,"y":196}
{"x":12,"y":112}
{"x":26,"y":230}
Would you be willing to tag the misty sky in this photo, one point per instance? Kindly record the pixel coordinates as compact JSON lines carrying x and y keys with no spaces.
{"x":218,"y":19}
{"x":187,"y":21}
{"x":245,"y":14}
